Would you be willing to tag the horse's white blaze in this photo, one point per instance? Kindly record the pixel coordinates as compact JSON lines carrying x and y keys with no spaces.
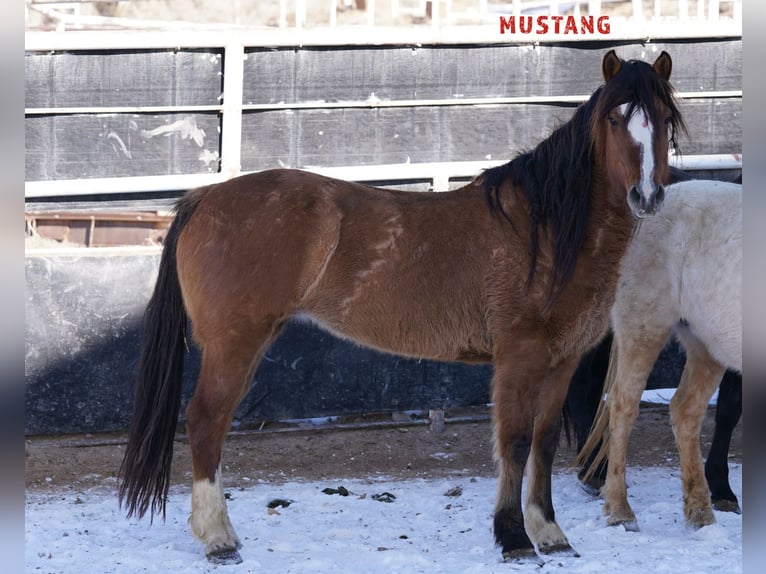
{"x":209,"y":519}
{"x":641,"y":131}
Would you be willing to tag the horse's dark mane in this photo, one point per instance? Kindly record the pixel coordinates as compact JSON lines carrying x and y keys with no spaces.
{"x":555,"y":177}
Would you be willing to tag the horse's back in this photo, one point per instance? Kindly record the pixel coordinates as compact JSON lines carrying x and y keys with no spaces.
{"x":401,"y":271}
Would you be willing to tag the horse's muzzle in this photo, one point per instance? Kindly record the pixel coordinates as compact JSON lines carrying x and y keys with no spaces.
{"x":641,"y":205}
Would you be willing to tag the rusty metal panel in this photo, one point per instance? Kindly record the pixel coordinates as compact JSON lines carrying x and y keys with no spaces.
{"x":99,"y":228}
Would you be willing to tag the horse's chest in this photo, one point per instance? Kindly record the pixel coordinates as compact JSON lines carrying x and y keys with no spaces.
{"x":582,"y":323}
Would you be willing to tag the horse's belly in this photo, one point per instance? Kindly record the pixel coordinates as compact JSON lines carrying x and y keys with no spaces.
{"x":406,"y":329}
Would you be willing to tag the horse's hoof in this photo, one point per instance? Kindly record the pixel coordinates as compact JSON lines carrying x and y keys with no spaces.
{"x":523,"y":557}
{"x":227,"y":556}
{"x":561,"y":549}
{"x":727,"y":506}
{"x":629,"y":524}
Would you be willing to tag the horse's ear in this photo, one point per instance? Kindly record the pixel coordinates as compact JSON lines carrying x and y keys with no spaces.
{"x":610,"y":65}
{"x":663,"y":65}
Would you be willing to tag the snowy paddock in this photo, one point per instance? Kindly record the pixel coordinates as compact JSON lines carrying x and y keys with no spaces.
{"x":422,"y":530}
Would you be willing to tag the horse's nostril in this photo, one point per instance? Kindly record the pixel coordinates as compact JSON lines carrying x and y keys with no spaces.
{"x":634,"y":197}
{"x":660,"y":197}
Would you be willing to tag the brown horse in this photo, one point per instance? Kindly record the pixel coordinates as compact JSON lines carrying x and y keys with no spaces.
{"x":517,"y":268}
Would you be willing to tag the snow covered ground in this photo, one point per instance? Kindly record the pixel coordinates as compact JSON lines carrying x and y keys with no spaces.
{"x":422,"y":530}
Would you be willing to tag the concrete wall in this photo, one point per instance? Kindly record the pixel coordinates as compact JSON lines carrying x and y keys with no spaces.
{"x":83,"y":316}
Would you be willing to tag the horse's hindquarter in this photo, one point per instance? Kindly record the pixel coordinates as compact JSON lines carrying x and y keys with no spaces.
{"x":709,"y":220}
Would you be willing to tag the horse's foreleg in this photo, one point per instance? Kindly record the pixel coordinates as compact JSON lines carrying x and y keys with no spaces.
{"x":226,"y":372}
{"x":727,"y":415}
{"x":701,"y":376}
{"x":515,"y":388}
{"x":635,"y":360}
{"x":540,"y":517}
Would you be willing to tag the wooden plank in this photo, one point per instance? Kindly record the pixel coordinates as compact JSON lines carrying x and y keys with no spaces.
{"x":405,"y":73}
{"x":327,"y":138}
{"x":114,"y":145}
{"x":715,"y":126}
{"x":400,"y":135}
{"x":123,"y":78}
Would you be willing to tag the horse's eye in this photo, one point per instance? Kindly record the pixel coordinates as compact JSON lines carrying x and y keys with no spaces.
{"x":612,"y":121}
{"x":668,"y":120}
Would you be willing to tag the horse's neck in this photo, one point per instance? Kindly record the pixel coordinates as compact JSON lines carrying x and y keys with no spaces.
{"x":610,"y":225}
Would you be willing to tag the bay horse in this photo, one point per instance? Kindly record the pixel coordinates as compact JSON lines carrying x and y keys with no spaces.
{"x":686,"y":267}
{"x":517,"y":268}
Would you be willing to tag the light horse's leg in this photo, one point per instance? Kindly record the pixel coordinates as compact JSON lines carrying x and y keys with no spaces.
{"x":635,"y":357}
{"x":702,"y":374}
{"x":520,"y":376}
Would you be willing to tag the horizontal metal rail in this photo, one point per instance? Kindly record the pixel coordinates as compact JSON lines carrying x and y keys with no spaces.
{"x":439,"y":173}
{"x":368,"y":103}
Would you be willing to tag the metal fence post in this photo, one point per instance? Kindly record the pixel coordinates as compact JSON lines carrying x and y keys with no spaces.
{"x":231,"y":122}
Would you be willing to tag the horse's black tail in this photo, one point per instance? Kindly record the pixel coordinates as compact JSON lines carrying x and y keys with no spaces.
{"x":145,"y":469}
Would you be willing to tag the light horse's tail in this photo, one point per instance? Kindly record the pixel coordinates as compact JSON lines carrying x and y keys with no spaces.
{"x":598,"y":438}
{"x":145,"y":469}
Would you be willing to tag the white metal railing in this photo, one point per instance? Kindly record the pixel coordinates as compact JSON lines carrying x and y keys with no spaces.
{"x":438,"y":174}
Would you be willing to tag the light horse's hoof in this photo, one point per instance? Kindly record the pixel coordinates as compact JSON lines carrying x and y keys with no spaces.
{"x":629,"y":524}
{"x":224,"y":557}
{"x":561,"y":549}
{"x":523,"y":557}
{"x":700,"y":518}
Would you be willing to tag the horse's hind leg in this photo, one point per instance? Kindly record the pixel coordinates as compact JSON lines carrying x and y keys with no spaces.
{"x":539,"y":515}
{"x":701,"y":376}
{"x":226,"y":371}
{"x":635,"y":359}
{"x":727,"y":414}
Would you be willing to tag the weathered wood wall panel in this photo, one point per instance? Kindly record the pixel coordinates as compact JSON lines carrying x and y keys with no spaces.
{"x":123,"y":78}
{"x":406,"y":73}
{"x":393,"y":135}
{"x":116,"y":145}
{"x":305,"y":138}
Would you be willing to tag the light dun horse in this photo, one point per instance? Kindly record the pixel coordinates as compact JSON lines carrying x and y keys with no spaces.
{"x":517,"y":268}
{"x":682,"y":275}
